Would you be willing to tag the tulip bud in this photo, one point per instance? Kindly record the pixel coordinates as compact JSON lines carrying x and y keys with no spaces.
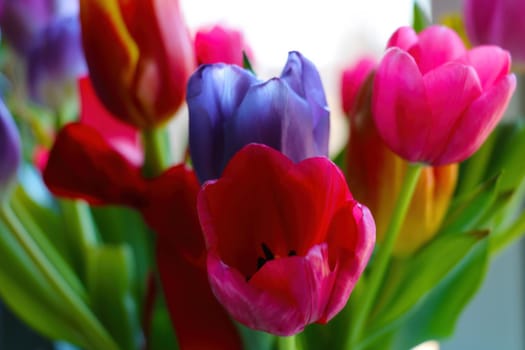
{"x":375,"y":175}
{"x":221,"y":44}
{"x":139,"y":55}
{"x":10,"y":151}
{"x":352,"y":80}
{"x":230,"y":108}
{"x":435,"y":102}
{"x":497,"y":22}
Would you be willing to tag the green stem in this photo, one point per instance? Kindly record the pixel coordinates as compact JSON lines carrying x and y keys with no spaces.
{"x":381,"y":260}
{"x":287,"y":343}
{"x":156,"y":151}
{"x":86,"y":321}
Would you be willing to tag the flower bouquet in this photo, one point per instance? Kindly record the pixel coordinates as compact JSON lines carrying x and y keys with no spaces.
{"x":253,"y":237}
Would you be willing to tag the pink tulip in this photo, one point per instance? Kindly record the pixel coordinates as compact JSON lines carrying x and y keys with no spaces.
{"x":352,"y":80}
{"x":221,"y":44}
{"x":498,"y":22}
{"x":435,"y":102}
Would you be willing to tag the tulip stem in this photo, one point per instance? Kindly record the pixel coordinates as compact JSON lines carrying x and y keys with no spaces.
{"x":94,"y":334}
{"x":156,"y":151}
{"x":382,"y":258}
{"x":286,"y":343}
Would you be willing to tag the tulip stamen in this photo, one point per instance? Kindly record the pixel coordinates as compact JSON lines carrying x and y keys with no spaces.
{"x":292,"y":253}
{"x":268,"y":254}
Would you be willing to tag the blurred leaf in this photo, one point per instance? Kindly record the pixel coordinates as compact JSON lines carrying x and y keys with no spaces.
{"x":466,"y":211}
{"x":246,"y":64}
{"x":28,"y":294}
{"x":109,"y":278}
{"x":423,"y":272}
{"x":501,"y":239}
{"x":340,"y":160}
{"x":256,"y":340}
{"x":162,"y":334}
{"x":421,"y":20}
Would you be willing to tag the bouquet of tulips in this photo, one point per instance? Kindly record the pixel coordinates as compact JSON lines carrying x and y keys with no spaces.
{"x":251,"y":237}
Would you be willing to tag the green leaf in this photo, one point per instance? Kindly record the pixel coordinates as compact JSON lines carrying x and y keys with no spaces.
{"x":423,"y":272}
{"x":162,"y":335}
{"x":246,"y":63}
{"x":255,"y":340}
{"x":420,"y":21}
{"x":29,"y":295}
{"x":437,"y":316}
{"x":109,"y":284}
{"x":467,"y":210}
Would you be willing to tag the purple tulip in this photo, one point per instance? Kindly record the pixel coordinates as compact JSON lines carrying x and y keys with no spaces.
{"x":22,"y":21}
{"x":498,"y":22}
{"x":230,"y":108}
{"x":55,"y":62}
{"x":10,"y":153}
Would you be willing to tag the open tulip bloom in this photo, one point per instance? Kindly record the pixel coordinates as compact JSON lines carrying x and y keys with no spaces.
{"x":256,"y":239}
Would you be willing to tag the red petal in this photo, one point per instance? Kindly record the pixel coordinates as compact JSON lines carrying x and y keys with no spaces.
{"x":199,"y":320}
{"x":83,"y":165}
{"x":123,"y":137}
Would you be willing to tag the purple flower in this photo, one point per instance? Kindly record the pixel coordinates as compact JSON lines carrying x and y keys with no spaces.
{"x":55,"y":62}
{"x":10,"y":153}
{"x":22,"y":21}
{"x":230,"y":108}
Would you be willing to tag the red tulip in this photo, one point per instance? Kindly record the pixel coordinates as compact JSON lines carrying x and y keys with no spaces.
{"x":286,"y":242}
{"x":435,"y":102}
{"x":139,"y":55}
{"x":221,"y":44}
{"x":82,"y":164}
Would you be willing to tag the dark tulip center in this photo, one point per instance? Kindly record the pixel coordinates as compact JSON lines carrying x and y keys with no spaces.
{"x":267,"y":256}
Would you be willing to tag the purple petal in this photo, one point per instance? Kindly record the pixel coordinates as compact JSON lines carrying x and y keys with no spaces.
{"x":10,"y":149}
{"x":214,"y":94}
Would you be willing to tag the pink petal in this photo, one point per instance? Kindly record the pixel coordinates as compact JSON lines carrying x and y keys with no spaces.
{"x":490,"y":62}
{"x":450,"y":89}
{"x":478,"y":122}
{"x":352,"y":83}
{"x":404,"y":38}
{"x":436,"y":46}
{"x":399,"y":104}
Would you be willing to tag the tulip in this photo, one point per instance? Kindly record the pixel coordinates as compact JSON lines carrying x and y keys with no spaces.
{"x":10,"y":150}
{"x":435,"y":102}
{"x":139,"y":55}
{"x":353,"y":78}
{"x":84,"y":165}
{"x":22,"y":21}
{"x":375,"y":174}
{"x":230,"y":108}
{"x":221,"y":44}
{"x":498,"y":22}
{"x":285,"y":242}
{"x":55,"y":63}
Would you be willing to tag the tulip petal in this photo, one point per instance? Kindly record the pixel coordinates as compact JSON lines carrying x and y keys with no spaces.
{"x":123,"y":137}
{"x":404,"y":38}
{"x":83,"y":165}
{"x":478,"y":122}
{"x":490,"y":62}
{"x":302,"y":76}
{"x":272,"y":114}
{"x":436,"y":46}
{"x":399,"y":104}
{"x":352,"y":82}
{"x":214,"y":93}
{"x":200,"y":322}
{"x":450,"y":89}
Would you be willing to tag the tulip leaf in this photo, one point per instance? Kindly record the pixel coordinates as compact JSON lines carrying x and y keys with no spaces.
{"x":27,"y":293}
{"x":502,"y":238}
{"x":466,"y":211}
{"x":255,"y":340}
{"x":246,"y":63}
{"x":162,"y":336}
{"x":420,"y":20}
{"x":423,"y":272}
{"x":109,"y":275}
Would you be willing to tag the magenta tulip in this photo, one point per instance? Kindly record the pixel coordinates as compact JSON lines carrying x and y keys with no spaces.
{"x":498,"y":22}
{"x":286,"y":242}
{"x":221,"y":44}
{"x":435,"y":102}
{"x":352,"y":81}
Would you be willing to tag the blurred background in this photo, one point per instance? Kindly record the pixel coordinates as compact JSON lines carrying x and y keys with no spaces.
{"x":333,"y":34}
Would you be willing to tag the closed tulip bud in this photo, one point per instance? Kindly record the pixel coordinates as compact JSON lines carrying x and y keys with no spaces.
{"x":221,"y":44}
{"x":435,"y":102}
{"x":375,"y":175}
{"x":230,"y":108}
{"x":139,"y":55}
